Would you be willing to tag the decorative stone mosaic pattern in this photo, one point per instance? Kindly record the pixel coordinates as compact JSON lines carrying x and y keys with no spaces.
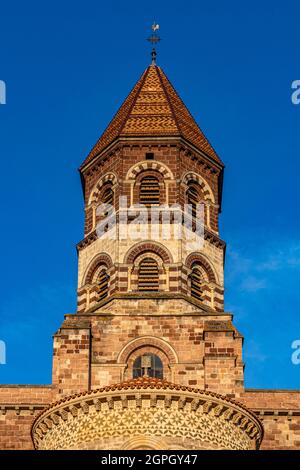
{"x":154,"y":410}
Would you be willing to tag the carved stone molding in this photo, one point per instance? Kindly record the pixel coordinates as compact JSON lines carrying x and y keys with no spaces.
{"x":148,"y":409}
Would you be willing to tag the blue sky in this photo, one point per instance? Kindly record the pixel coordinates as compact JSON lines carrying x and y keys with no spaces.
{"x":67,"y":67}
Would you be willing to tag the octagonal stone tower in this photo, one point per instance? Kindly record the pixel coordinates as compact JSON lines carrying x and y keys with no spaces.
{"x":150,"y":305}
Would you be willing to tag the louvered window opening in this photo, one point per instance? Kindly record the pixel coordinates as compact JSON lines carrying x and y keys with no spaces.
{"x":102,"y":285}
{"x":193,"y":198}
{"x":148,"y":279}
{"x":108,"y":196}
{"x":149,"y":192}
{"x":196,"y":284}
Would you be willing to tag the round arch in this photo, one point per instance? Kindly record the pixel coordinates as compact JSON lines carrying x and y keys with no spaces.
{"x":100,"y":259}
{"x":144,"y":443}
{"x":201,"y":259}
{"x":148,"y":246}
{"x":137,"y":168}
{"x":138,"y":259}
{"x":207,"y":191}
{"x":108,"y":177}
{"x":151,"y":341}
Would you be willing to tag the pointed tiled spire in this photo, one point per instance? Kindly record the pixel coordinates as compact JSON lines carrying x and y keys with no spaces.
{"x":153,"y":108}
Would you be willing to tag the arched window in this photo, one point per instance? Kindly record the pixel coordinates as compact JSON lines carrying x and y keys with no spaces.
{"x":193,"y":196}
{"x":108,"y":194}
{"x":196,"y":283}
{"x":148,"y":275}
{"x":107,"y":197}
{"x":102,"y":283}
{"x":148,"y":365}
{"x":149,"y":191}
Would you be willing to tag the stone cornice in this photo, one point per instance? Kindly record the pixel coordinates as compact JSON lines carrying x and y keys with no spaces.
{"x":276,"y":413}
{"x":203,"y":309}
{"x":90,"y":238}
{"x":208,"y":235}
{"x":26,"y":386}
{"x":146,"y":394}
{"x":214,"y":238}
{"x":150,"y":142}
{"x":33,"y":408}
{"x":83,"y":320}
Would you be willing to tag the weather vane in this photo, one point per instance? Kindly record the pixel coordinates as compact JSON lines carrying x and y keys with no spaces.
{"x":154,"y":39}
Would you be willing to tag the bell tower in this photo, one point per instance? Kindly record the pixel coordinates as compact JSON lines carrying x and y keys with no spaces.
{"x":150,"y":277}
{"x":150,"y":360}
{"x":152,"y":154}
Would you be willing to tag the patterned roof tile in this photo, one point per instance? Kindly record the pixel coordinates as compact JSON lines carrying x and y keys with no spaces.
{"x":153,"y":108}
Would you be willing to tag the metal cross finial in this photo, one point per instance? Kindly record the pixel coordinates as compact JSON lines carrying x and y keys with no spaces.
{"x":154,"y":39}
